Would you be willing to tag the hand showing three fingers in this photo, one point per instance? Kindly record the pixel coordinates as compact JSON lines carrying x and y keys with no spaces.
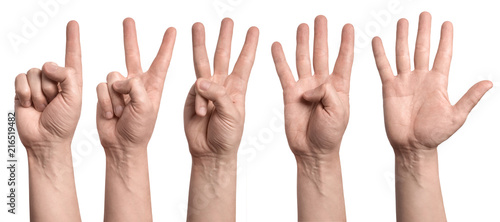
{"x":418,"y":113}
{"x":214,"y":115}
{"x":128,"y":107}
{"x":214,"y":112}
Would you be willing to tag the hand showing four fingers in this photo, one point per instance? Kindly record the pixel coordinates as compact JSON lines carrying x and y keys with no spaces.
{"x":316,"y":106}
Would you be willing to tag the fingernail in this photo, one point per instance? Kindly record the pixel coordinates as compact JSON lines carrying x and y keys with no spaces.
{"x":118,"y":110}
{"x":108,"y":115}
{"x":205,"y":84}
{"x":51,"y":67}
{"x":203,"y":111}
{"x":27,"y":103}
{"x":42,"y":107}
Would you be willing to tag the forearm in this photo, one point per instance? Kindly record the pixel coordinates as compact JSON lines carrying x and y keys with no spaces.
{"x":212,"y":191}
{"x":127,"y":192}
{"x":320,"y":195}
{"x":418,"y":191}
{"x":52,"y":185}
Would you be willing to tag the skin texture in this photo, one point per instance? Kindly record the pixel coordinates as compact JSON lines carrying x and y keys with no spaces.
{"x":126,"y":115}
{"x":48,"y":105}
{"x":419,"y":116}
{"x":316,"y":117}
{"x":214,"y":115}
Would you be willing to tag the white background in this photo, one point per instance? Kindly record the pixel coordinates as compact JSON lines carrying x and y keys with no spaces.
{"x":469,"y":165}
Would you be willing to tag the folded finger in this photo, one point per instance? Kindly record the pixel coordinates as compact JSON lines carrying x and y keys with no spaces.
{"x":116,"y":98}
{"x":23,"y":91}
{"x":49,"y":88}
{"x":35,"y":81}
{"x":104,"y":100}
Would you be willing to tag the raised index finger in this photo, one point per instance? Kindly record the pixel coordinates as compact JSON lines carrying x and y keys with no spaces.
{"x":200,"y":57}
{"x":73,"y":50}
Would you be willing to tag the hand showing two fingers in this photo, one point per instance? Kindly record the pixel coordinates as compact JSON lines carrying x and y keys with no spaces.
{"x":128,"y":106}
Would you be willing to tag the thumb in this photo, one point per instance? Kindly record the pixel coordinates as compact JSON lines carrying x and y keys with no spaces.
{"x":217,"y":94}
{"x":67,"y":77}
{"x":472,"y":97}
{"x":133,"y":87}
{"x":325,"y":93}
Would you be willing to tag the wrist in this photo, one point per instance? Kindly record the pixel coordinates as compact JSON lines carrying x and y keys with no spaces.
{"x":322,"y":159}
{"x":215,"y":162}
{"x":319,"y":188}
{"x":53,"y":163}
{"x":218,"y":171}
{"x":416,"y":164}
{"x":126,"y":158}
{"x":412,"y":157}
{"x":321,"y":171}
{"x":47,"y":154}
{"x":318,"y":164}
{"x":210,"y":157}
{"x":212,"y":191}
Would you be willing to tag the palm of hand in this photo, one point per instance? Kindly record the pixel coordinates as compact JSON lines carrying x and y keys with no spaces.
{"x":418,"y":111}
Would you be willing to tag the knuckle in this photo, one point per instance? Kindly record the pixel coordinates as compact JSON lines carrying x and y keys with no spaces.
{"x":220,"y":52}
{"x":49,"y":88}
{"x":135,"y":81}
{"x":23,"y":92}
{"x":101,"y":85}
{"x":113,"y":76}
{"x":34,"y":71}
{"x":38,"y":98}
{"x":324,"y":87}
{"x":20,"y":77}
{"x":105,"y":103}
{"x":70,"y":70}
{"x":221,"y":92}
{"x":46,"y":64}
